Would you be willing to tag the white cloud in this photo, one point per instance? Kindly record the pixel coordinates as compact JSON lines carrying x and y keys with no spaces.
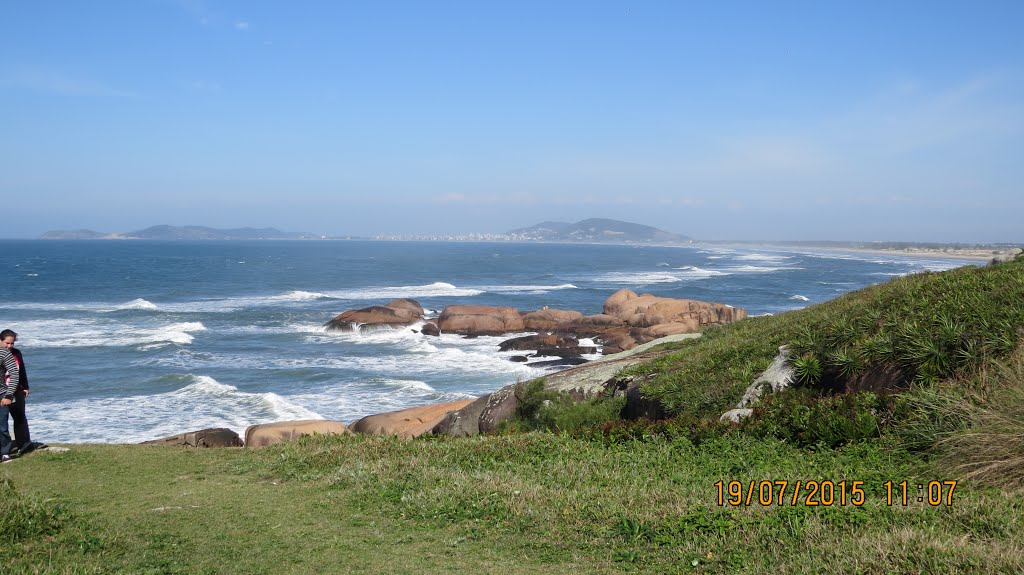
{"x":242,"y":25}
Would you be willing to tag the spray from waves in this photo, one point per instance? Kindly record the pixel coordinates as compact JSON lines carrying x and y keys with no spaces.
{"x":761,"y":269}
{"x":638,"y":278}
{"x":697,"y":273}
{"x":137,"y":303}
{"x":105,"y":333}
{"x":526,"y":289}
{"x":799,"y":297}
{"x":202,"y":402}
{"x":763,"y":257}
{"x":436,"y":289}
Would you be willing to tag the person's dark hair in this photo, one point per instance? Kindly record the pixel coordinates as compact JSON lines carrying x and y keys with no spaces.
{"x":7,"y":333}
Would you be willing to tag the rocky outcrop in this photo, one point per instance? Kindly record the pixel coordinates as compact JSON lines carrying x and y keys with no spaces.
{"x":649,"y":310}
{"x":548,"y":319}
{"x":777,"y":377}
{"x":411,"y":422}
{"x":430,"y":328}
{"x":213,"y":437}
{"x":480,"y":320}
{"x":266,"y":434}
{"x":395,"y":313}
{"x":598,"y":377}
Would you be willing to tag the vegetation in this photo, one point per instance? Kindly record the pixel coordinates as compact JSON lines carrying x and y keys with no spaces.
{"x":919,"y":380}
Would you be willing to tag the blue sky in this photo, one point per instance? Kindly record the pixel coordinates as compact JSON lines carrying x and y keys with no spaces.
{"x":719,"y":120}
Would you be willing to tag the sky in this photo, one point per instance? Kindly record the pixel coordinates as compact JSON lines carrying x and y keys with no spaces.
{"x":867,"y":120}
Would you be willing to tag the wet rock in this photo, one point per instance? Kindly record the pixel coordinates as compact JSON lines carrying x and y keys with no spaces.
{"x":212,"y":437}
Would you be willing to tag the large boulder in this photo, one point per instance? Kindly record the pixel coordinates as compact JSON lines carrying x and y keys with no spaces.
{"x":411,"y":422}
{"x":483,"y":415}
{"x":591,"y":325}
{"x":480,"y":320}
{"x":539,"y":341}
{"x":649,"y":310}
{"x":212,"y":437}
{"x":266,"y":434}
{"x":548,"y":319}
{"x":395,"y":313}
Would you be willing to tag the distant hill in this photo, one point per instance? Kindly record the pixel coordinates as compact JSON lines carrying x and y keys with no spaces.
{"x":182,"y":233}
{"x":77,"y":235}
{"x":597,"y":230}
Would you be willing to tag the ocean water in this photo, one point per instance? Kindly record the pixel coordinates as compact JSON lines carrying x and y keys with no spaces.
{"x":134,"y":340}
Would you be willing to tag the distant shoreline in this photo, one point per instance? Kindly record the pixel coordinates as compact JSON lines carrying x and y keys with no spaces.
{"x":973,"y":254}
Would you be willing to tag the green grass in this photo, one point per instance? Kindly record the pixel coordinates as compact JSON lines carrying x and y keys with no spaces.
{"x":619,"y":497}
{"x":526,"y":503}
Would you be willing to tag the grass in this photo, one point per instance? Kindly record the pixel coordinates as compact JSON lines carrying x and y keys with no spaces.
{"x":525,"y":503}
{"x":620,"y":497}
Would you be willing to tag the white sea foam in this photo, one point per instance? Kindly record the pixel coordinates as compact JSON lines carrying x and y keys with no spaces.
{"x":202,"y":402}
{"x":525,"y":289}
{"x":638,"y":278}
{"x":105,"y":333}
{"x":763,"y":257}
{"x":663,"y":265}
{"x":696,"y":272}
{"x":436,"y":289}
{"x":137,"y":303}
{"x":761,"y":269}
{"x":799,"y":297}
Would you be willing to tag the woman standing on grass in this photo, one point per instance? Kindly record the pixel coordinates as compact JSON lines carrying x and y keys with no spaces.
{"x":22,"y":437}
{"x":12,"y":377}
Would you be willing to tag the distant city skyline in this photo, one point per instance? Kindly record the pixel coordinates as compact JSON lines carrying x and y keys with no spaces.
{"x":782,"y":121}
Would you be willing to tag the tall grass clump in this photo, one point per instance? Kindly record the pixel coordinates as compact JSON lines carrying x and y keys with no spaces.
{"x":992,"y":450}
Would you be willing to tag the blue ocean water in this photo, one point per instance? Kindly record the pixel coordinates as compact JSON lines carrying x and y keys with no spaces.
{"x":133,"y":340}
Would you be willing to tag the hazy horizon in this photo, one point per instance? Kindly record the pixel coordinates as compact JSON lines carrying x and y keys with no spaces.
{"x":741,"y":121}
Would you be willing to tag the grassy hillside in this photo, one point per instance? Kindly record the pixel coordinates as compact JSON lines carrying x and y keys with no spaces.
{"x":618,"y":498}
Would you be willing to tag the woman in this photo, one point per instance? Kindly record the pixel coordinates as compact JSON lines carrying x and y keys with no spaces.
{"x":22,"y":437}
{"x":8,"y":395}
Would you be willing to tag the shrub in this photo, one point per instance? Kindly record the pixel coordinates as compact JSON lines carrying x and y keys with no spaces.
{"x":549,"y":410}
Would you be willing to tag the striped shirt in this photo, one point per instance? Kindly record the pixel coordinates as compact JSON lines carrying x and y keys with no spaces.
{"x":13,"y":373}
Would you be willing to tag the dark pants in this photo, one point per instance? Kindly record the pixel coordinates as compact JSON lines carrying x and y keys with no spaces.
{"x":5,"y":437}
{"x":22,"y":437}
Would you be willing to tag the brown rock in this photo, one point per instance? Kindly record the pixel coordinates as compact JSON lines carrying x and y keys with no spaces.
{"x":411,"y":422}
{"x":548,"y":319}
{"x":539,"y":341}
{"x":213,"y":437}
{"x":479,"y":320}
{"x":266,"y":434}
{"x":396,"y":313}
{"x":591,"y":325}
{"x":430,"y":328}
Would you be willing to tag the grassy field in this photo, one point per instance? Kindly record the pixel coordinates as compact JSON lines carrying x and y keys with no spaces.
{"x":607,"y":497}
{"x":524,"y":503}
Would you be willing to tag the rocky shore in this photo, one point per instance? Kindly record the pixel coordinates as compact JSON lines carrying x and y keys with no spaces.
{"x":620,"y":336}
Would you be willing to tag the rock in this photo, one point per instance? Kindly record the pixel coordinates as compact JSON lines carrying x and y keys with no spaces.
{"x":548,"y":319}
{"x":735,"y":415}
{"x":617,"y":340}
{"x":411,"y":422}
{"x":539,"y":341}
{"x":479,"y":320}
{"x":591,"y":325}
{"x":519,"y":359}
{"x":777,"y":377}
{"x":560,"y":362}
{"x":396,"y":313}
{"x":430,"y":328}
{"x":266,"y":434}
{"x":212,"y":437}
{"x":649,"y":310}
{"x":465,"y":421}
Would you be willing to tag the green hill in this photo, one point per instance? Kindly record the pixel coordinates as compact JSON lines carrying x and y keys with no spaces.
{"x":823,"y":478}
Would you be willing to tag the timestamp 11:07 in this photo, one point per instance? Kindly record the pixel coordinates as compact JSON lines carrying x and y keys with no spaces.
{"x":933,"y":493}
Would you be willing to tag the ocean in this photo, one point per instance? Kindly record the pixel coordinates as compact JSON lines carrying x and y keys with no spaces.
{"x":126,"y":341}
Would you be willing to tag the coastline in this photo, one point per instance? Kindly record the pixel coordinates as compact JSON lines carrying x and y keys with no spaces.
{"x":948,"y":253}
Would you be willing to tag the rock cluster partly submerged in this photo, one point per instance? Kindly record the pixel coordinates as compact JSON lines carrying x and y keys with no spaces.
{"x":627,"y":321}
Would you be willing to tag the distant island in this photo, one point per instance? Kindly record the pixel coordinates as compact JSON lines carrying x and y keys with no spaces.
{"x":164,"y":232}
{"x":596,"y":230}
